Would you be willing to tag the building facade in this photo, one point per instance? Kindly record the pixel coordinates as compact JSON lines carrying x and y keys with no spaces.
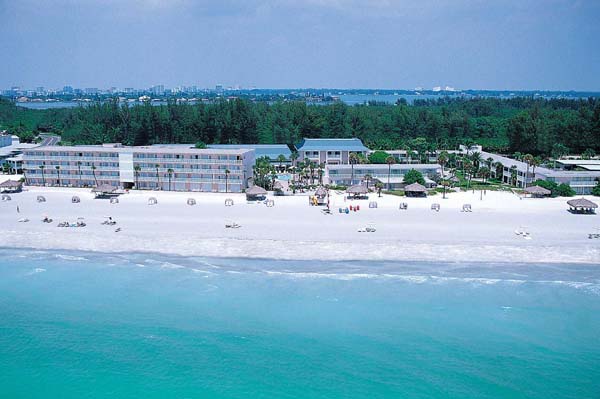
{"x":271,"y":151}
{"x":330,"y":151}
{"x":343,"y":175}
{"x":582,"y":181}
{"x":151,"y":168}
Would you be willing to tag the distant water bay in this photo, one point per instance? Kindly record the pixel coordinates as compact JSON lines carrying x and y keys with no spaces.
{"x":89,"y":325}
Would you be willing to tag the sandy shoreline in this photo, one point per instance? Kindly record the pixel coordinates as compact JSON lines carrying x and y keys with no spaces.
{"x":294,"y":230}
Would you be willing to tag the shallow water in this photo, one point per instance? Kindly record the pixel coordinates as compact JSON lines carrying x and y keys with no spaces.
{"x":83,"y":325}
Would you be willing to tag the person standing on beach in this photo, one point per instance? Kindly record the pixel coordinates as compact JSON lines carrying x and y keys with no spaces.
{"x":18,"y":211}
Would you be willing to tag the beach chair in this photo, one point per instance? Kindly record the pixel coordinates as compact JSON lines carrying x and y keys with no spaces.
{"x":152,"y":201}
{"x":191,"y":201}
{"x":228,"y":202}
{"x":403,"y":206}
{"x":75,"y":200}
{"x":373,"y":204}
{"x":114,"y":200}
{"x":466,"y":208}
{"x":435,"y":207}
{"x":270,"y":203}
{"x":6,"y":197}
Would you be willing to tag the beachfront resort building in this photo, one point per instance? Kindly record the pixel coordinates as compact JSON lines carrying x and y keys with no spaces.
{"x":278,"y":154}
{"x":159,"y":167}
{"x":330,"y":151}
{"x":582,"y":178}
{"x":343,"y":175}
{"x":11,"y":152}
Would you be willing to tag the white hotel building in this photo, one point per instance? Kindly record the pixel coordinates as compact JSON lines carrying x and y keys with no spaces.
{"x":158,"y":167}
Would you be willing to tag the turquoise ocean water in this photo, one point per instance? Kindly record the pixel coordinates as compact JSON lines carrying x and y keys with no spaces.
{"x":81,"y":325}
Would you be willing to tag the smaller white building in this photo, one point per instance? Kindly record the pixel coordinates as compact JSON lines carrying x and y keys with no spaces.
{"x":345,"y":175}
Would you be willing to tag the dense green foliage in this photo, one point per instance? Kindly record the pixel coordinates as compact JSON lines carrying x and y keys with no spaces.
{"x":557,"y":190}
{"x":378,"y":157}
{"x":414,"y":176}
{"x":518,"y":124}
{"x":596,"y":189}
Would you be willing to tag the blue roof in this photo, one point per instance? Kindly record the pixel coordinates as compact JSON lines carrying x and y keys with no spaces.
{"x":332,"y":144}
{"x":260,"y":150}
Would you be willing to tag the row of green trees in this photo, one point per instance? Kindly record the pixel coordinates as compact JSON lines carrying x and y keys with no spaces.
{"x":527,"y":125}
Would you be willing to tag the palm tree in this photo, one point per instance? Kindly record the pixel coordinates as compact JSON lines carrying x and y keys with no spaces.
{"x":443,"y":159}
{"x":476,"y":159}
{"x":58,"y":173}
{"x":79,"y":170}
{"x":484,"y":172}
{"x":227,"y":172}
{"x":499,"y":171}
{"x":353,"y":159}
{"x":490,"y":161}
{"x":513,"y":175}
{"x":368,"y":178}
{"x":157,"y":177}
{"x":294,"y":157}
{"x":390,"y":160}
{"x":469,"y":170}
{"x":535,"y":162}
{"x":136,"y":170}
{"x":379,"y":186}
{"x":42,"y":167}
{"x":170,"y":174}
{"x":320,"y":171}
{"x":94,"y":173}
{"x":445,"y":184}
{"x":527,"y":158}
{"x":281,"y":159}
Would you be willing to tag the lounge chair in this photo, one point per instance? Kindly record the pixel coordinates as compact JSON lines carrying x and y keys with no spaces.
{"x":435,"y":207}
{"x":403,"y":206}
{"x":466,"y":208}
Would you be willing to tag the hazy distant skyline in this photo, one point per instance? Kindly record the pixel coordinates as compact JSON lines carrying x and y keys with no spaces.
{"x":467,"y":44}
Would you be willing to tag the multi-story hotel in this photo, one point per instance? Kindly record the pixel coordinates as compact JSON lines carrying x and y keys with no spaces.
{"x":158,"y":167}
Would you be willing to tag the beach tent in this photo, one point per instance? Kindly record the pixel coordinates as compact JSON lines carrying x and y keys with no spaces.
{"x":415,"y":190}
{"x":255,"y":193}
{"x":152,"y":201}
{"x":537,"y":191}
{"x":582,"y":205}
{"x":41,"y":198}
{"x":11,"y":186}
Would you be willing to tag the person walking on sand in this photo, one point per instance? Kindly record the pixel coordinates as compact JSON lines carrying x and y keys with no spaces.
{"x":18,"y":211}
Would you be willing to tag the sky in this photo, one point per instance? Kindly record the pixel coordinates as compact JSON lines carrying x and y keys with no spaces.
{"x":401,"y":44}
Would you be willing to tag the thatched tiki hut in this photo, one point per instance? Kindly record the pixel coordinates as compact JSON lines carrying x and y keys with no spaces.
{"x":277,"y":188}
{"x":256,"y":193}
{"x":358,"y":191}
{"x":11,"y":186}
{"x":415,"y":190}
{"x":104,"y":190}
{"x":582,"y":206}
{"x":537,"y":191}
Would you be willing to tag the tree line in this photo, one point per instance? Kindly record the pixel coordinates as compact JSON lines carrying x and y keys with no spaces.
{"x":527,"y":125}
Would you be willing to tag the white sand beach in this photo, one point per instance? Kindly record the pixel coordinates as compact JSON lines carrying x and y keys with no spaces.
{"x":294,"y":230}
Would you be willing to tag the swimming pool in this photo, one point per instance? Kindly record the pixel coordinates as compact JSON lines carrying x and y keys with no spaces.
{"x":285,"y":177}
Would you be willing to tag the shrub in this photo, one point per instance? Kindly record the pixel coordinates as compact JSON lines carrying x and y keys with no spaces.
{"x":413,"y":176}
